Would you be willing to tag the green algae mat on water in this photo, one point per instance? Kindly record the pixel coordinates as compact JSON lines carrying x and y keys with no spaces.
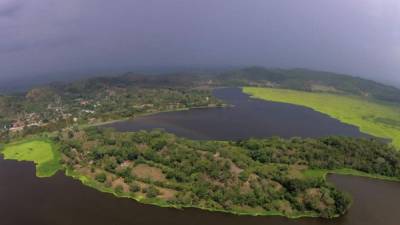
{"x":374,"y":118}
{"x":41,"y":152}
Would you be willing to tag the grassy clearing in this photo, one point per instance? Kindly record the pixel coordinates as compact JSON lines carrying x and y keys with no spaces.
{"x":374,"y":118}
{"x":318,"y":173}
{"x":41,"y":152}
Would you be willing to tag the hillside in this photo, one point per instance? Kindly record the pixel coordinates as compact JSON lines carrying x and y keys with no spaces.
{"x":297,"y":79}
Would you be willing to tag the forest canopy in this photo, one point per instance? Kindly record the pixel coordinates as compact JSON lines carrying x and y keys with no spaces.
{"x":256,"y":175}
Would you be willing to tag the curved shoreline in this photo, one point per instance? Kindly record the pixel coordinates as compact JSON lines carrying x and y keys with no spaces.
{"x":353,"y":116}
{"x":161,"y":203}
{"x":148,"y":114}
{"x":43,"y":169}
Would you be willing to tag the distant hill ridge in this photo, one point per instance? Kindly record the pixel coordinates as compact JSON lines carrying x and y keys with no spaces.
{"x":311,"y":80}
{"x":297,"y":79}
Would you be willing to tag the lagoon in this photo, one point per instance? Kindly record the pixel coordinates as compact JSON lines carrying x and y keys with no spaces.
{"x":246,"y":118}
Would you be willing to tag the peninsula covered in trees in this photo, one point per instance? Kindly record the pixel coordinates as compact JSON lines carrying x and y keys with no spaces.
{"x":56,"y":126}
{"x":265,"y":176}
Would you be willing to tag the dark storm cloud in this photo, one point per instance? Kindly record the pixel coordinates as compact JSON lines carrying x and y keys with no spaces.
{"x":360,"y":37}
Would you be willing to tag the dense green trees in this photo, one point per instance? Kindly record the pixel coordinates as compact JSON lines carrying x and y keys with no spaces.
{"x":255,"y":173}
{"x":367,"y":155}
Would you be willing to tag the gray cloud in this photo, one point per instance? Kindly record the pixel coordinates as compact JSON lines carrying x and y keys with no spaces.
{"x":10,"y":8}
{"x":40,"y":44}
{"x":55,"y":37}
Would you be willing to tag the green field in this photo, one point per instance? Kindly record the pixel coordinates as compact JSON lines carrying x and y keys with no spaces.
{"x":321,"y":173}
{"x":42,"y":153}
{"x":374,"y":118}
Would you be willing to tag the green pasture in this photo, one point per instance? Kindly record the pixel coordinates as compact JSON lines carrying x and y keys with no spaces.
{"x":375,"y":118}
{"x":41,"y":152}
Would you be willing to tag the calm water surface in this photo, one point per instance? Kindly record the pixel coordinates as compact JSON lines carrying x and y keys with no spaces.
{"x":60,"y":200}
{"x":248,"y":118}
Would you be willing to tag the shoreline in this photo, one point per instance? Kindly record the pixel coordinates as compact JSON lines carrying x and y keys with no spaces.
{"x":366,"y":127}
{"x":42,"y":169}
{"x":162,"y":203}
{"x":356,"y":173}
{"x":148,"y":114}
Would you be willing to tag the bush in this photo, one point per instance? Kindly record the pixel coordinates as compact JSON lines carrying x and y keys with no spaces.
{"x":134,"y":187}
{"x":119,"y":189}
{"x":152,"y":192}
{"x":101,"y":177}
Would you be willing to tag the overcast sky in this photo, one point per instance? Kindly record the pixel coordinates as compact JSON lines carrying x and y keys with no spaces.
{"x":359,"y":37}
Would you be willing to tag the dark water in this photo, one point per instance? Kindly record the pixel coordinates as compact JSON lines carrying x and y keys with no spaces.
{"x":248,"y":118}
{"x":27,"y":200}
{"x":60,"y":200}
